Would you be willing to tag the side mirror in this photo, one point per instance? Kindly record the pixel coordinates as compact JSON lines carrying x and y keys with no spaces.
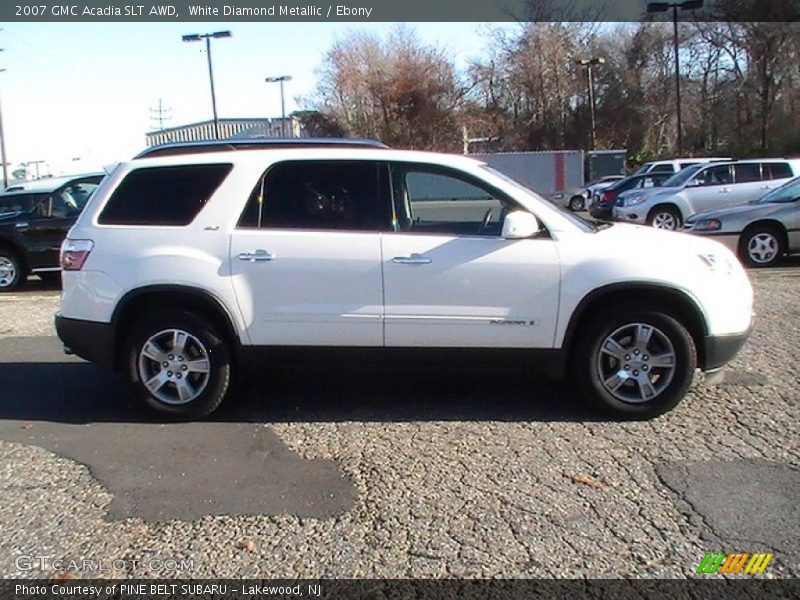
{"x":693,"y":183}
{"x":519,"y":225}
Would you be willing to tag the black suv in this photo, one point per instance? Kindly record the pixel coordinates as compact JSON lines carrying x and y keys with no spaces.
{"x":34,"y":219}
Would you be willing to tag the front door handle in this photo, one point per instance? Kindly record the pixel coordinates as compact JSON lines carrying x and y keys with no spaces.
{"x":724,"y":190}
{"x":414,"y":259}
{"x":257,"y":256}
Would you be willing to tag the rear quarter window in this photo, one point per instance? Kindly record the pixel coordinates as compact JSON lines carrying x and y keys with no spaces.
{"x":777,"y":171}
{"x":163,"y":195}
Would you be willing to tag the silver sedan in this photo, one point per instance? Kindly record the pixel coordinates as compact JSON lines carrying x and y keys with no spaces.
{"x":761,"y":231}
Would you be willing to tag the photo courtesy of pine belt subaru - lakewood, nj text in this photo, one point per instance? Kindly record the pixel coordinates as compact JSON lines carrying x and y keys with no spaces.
{"x":186,"y":265}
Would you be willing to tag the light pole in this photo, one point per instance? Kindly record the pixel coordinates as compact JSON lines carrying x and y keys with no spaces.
{"x":589,"y":63}
{"x":3,"y":148}
{"x":196,"y":37}
{"x":657,"y":7}
{"x":280,"y":80}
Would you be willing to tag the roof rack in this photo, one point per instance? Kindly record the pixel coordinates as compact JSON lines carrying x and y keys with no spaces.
{"x":175,"y":148}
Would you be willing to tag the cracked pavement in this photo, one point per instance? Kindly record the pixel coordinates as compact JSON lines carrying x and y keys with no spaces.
{"x":442,"y":474}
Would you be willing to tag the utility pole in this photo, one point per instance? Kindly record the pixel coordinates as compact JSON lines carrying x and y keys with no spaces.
{"x":160,"y":115}
{"x":657,"y":7}
{"x":281,"y":79}
{"x":589,"y":63}
{"x":3,"y":143}
{"x":196,"y":37}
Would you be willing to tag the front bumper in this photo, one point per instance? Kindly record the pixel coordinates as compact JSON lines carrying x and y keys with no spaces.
{"x":88,"y":339}
{"x":719,"y":350}
{"x":634,"y":214}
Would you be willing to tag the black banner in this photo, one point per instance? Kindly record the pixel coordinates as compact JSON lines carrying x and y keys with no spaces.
{"x":236,"y":589}
{"x":393,"y":11}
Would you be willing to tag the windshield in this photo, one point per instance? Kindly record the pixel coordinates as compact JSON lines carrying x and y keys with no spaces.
{"x":583,"y":224}
{"x":682,"y":176}
{"x":13,"y":203}
{"x":788,"y":192}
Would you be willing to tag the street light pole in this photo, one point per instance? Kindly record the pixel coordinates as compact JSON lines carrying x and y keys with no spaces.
{"x":3,"y":148}
{"x":589,"y":63}
{"x":196,"y":37}
{"x":654,"y":7}
{"x":280,"y":80}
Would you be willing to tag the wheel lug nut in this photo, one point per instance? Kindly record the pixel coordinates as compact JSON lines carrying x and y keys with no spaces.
{"x":645,"y":357}
{"x":627,"y":367}
{"x":635,"y":373}
{"x":172,"y":357}
{"x":644,"y":368}
{"x":184,"y":368}
{"x":627,"y":357}
{"x":178,"y":375}
{"x":165,"y":364}
{"x":636,"y":352}
{"x":180,"y":358}
{"x":169,"y":373}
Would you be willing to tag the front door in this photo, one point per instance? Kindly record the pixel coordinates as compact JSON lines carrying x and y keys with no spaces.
{"x":450,"y":280}
{"x":306,"y":257}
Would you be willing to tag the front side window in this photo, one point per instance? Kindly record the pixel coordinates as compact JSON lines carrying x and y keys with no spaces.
{"x":441,"y":201}
{"x":71,"y":200}
{"x":321,"y":194}
{"x":163,"y":195}
{"x":663,"y":168}
{"x":719,"y":175}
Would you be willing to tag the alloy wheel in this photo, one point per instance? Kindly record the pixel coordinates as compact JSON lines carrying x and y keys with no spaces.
{"x":174,"y":366}
{"x":636,"y":363}
{"x":8,"y":272}
{"x":762,"y":248}
{"x":665,"y":220}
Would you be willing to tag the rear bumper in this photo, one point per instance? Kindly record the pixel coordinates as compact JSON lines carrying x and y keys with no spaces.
{"x":88,"y":339}
{"x":719,"y":350}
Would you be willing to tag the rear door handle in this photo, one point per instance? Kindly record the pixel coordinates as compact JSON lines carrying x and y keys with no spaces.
{"x":257,"y":256}
{"x":414,"y":259}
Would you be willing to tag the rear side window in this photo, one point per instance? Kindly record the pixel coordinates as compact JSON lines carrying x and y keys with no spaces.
{"x":163,"y":195}
{"x":746,"y":172}
{"x":777,"y":171}
{"x":317,"y":194}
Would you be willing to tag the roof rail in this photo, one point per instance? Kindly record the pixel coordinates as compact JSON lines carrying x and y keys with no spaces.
{"x":176,"y":148}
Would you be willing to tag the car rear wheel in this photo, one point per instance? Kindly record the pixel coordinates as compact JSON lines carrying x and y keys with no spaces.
{"x":577,"y":203}
{"x":12,"y":271}
{"x":761,"y":246}
{"x":178,"y":364}
{"x":665,"y":217}
{"x":636,"y":362}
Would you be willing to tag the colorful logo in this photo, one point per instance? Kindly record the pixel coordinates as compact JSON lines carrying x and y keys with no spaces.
{"x":734,"y":563}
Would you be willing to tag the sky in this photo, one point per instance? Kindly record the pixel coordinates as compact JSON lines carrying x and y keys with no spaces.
{"x":79,"y":95}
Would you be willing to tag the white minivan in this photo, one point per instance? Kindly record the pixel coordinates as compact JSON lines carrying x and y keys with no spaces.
{"x":704,"y":187}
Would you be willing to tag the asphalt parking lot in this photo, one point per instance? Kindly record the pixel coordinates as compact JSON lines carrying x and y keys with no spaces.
{"x":313,"y":473}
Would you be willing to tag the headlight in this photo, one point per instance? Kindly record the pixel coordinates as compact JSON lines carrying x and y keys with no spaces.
{"x":717,"y":263}
{"x":707,"y":225}
{"x":634,"y":199}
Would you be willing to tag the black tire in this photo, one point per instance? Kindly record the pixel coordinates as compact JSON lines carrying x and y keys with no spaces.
{"x":661,"y":215}
{"x":50,"y":277}
{"x":577,"y":203}
{"x":12,"y":270}
{"x":218,"y":377}
{"x":591,"y":366}
{"x":758,"y":243}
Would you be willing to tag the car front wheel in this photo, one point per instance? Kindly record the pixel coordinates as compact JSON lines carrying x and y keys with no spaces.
{"x":178,"y":364}
{"x":635,"y":362}
{"x":665,"y":217}
{"x":761,"y":246}
{"x":577,"y":203}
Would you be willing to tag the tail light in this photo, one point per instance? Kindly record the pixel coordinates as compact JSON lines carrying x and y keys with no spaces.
{"x":74,"y":253}
{"x":608,"y":197}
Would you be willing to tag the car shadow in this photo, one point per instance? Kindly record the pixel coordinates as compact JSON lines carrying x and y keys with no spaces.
{"x":41,"y":384}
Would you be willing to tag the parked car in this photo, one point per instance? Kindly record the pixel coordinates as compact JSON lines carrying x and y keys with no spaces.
{"x":34,"y":219}
{"x":675,"y":165}
{"x":704,"y":187}
{"x":183,"y":268}
{"x":578,"y":200}
{"x":761,"y":231}
{"x":603,"y":203}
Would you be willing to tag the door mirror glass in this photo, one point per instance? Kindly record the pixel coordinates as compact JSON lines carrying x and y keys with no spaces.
{"x":520,"y":224}
{"x":693,"y":183}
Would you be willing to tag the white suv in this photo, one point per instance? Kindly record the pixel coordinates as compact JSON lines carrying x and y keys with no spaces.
{"x":704,"y":187}
{"x":184,"y":268}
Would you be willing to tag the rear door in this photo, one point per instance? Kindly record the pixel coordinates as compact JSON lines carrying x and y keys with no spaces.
{"x":451,"y":280}
{"x":306,"y":255}
{"x":747,"y":182}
